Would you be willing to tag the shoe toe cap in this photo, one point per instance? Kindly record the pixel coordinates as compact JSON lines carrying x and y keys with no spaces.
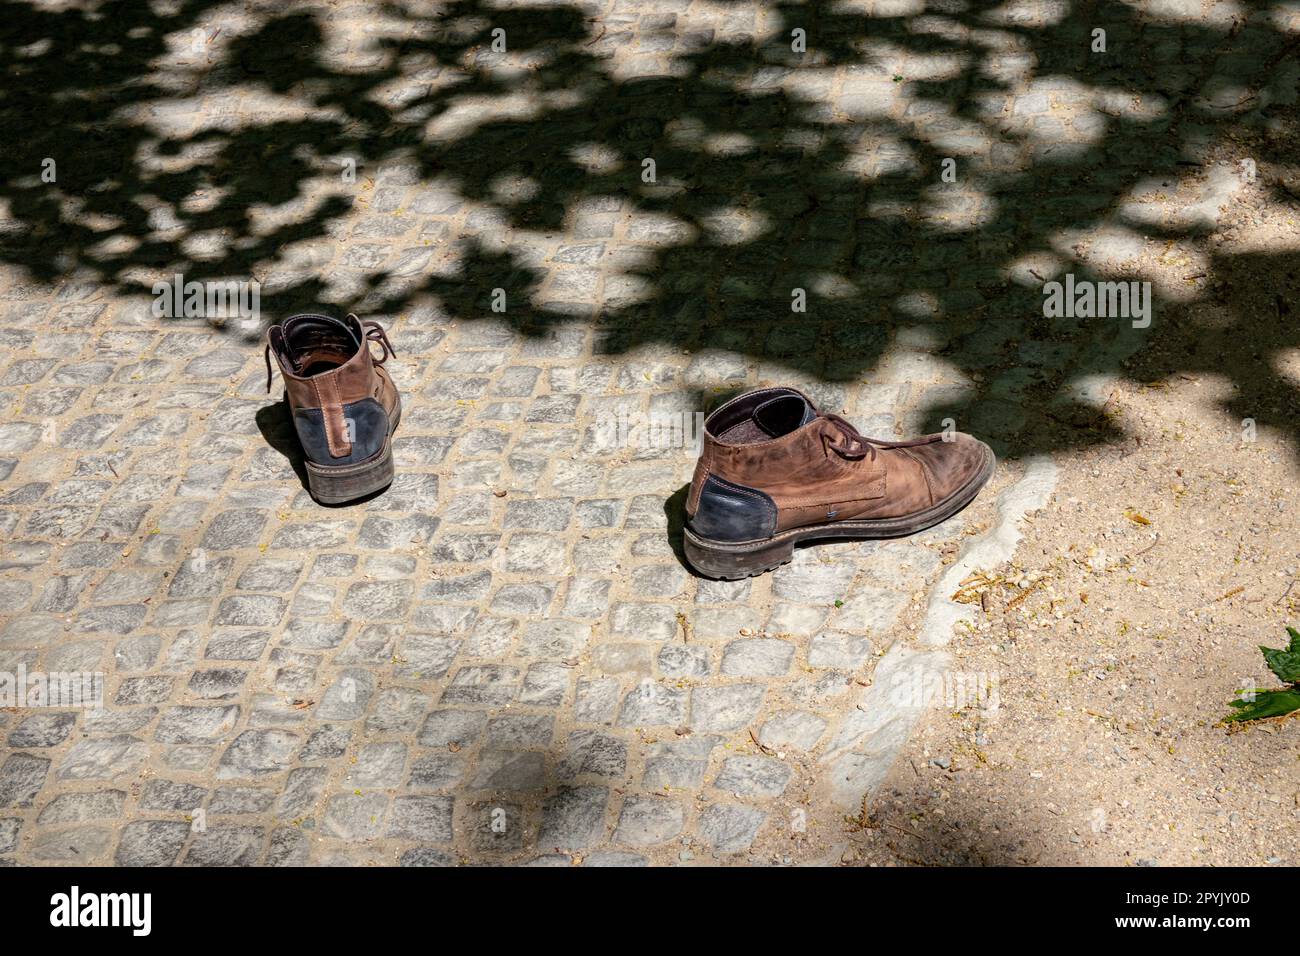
{"x":953,"y":463}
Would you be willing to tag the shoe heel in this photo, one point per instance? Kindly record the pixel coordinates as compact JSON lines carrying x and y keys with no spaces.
{"x":336,"y":484}
{"x":731,"y":562}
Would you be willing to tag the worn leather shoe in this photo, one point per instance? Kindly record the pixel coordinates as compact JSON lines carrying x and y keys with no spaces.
{"x":775,"y":471}
{"x":345,"y":406}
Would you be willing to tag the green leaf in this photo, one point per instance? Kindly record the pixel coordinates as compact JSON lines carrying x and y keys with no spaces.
{"x":1285,"y":663}
{"x":1267,"y":703}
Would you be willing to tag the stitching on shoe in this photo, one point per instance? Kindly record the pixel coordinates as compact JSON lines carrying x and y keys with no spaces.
{"x":335,"y":449}
{"x":740,"y":489}
{"x":925,"y":473}
{"x":821,"y":502}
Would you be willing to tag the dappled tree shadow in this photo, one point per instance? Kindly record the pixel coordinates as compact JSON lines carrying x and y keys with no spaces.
{"x":766,"y":182}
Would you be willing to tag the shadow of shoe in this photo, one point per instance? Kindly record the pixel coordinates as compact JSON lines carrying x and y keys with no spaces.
{"x":276,"y":424}
{"x":675,"y":511}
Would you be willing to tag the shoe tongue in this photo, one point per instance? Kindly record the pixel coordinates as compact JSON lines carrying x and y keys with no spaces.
{"x":780,"y":416}
{"x":319,"y":338}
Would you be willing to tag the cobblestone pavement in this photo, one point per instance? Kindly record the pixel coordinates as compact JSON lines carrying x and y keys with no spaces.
{"x":503,"y":658}
{"x":506,"y":630}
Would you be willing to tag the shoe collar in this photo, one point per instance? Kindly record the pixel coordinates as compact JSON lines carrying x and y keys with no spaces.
{"x":309,"y":337}
{"x":773,"y":412}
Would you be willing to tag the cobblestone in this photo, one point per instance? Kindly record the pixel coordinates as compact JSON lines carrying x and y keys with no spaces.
{"x":503,"y":658}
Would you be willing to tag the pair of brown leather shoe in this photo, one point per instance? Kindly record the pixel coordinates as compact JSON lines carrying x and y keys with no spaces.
{"x":774,"y":470}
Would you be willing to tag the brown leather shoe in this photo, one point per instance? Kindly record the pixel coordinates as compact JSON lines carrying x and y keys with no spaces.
{"x":345,"y":407}
{"x":775,"y":471}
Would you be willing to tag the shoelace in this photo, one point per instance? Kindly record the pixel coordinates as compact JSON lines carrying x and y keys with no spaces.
{"x":857,"y":446}
{"x":371,"y":331}
{"x":860,"y":446}
{"x":374,"y":332}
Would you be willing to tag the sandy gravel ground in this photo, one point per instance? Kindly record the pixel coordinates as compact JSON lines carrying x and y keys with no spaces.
{"x":1132,"y":613}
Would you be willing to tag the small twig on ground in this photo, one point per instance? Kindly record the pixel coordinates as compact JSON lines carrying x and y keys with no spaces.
{"x":1023,"y":594}
{"x":1287,"y":592}
{"x":911,"y":833}
{"x":1150,"y":546}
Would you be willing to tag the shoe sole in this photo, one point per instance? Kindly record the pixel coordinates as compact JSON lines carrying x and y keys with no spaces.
{"x":731,"y":560}
{"x":339,"y":484}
